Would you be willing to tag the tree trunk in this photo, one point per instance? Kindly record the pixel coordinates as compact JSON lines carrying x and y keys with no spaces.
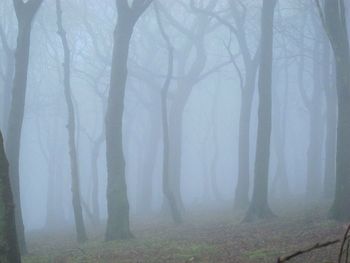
{"x":168,"y":190}
{"x":315,"y":150}
{"x":117,"y":199}
{"x":148,"y":163}
{"x":213,"y":170}
{"x":241,"y":201}
{"x":9,"y":250}
{"x":25,"y":13}
{"x":331,"y":125}
{"x":337,"y":31}
{"x":95,"y":180}
{"x":78,"y":213}
{"x":259,"y":207}
{"x":8,"y":79}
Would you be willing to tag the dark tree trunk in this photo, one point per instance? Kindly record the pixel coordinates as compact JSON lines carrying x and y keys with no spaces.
{"x":259,"y":207}
{"x":335,"y":22}
{"x":9,"y":250}
{"x":117,"y":200}
{"x":25,"y":13}
{"x":78,"y":213}
{"x":118,"y":226}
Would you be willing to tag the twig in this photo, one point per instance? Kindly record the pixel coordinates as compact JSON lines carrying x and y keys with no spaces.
{"x":300,"y":252}
{"x":347,"y":252}
{"x":342,"y":244}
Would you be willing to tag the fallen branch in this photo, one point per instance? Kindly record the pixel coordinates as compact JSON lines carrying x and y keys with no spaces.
{"x":346,"y":236}
{"x":300,"y":252}
{"x":323,"y":245}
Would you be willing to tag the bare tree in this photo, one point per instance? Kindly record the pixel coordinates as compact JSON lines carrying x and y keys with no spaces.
{"x":117,"y":199}
{"x":251,"y":63}
{"x":334,"y":21}
{"x":167,"y":189}
{"x":259,"y":207}
{"x":76,"y":199}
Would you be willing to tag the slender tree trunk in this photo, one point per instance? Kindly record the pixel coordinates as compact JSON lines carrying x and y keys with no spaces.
{"x":78,"y":213}
{"x":95,"y":177}
{"x":281,"y":184}
{"x":241,"y":201}
{"x":259,"y":207}
{"x":149,"y":162}
{"x":168,"y":189}
{"x":175,"y":150}
{"x":331,"y":125}
{"x":9,"y":250}
{"x":213,"y":169}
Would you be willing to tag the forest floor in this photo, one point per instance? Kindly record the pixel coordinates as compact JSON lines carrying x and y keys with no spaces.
{"x":218,"y":236}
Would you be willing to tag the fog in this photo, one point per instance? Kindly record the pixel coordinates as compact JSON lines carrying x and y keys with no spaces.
{"x":172,"y":111}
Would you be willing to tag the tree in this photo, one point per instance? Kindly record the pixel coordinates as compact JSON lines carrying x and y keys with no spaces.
{"x":251,"y":63}
{"x":331,"y":122}
{"x":191,"y":76}
{"x":259,"y":207}
{"x":25,"y":12}
{"x":78,"y":213}
{"x":334,"y":21}
{"x":314,"y":105}
{"x":167,"y":189}
{"x":117,"y":199}
{"x":9,"y":250}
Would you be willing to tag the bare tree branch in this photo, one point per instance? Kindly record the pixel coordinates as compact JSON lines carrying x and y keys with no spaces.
{"x":300,"y":252}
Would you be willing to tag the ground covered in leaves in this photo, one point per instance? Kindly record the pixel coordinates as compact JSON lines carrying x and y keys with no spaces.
{"x":218,"y":236}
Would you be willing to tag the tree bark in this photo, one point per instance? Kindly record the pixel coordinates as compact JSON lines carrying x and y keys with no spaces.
{"x":259,"y":207}
{"x":75,"y":187}
{"x":9,"y":249}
